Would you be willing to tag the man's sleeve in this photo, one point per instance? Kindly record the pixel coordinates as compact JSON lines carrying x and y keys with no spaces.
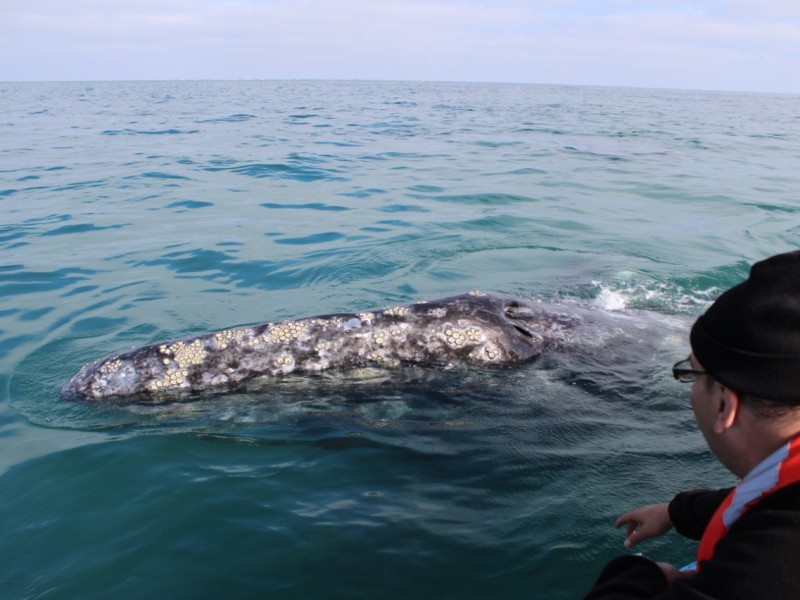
{"x":629,"y":577}
{"x":690,"y":512}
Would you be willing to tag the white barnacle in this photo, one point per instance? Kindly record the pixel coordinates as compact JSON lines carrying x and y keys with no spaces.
{"x":366,"y":316}
{"x":455,"y":337}
{"x":477,"y":293}
{"x":111,"y":366}
{"x":474,"y":334}
{"x":285,"y":332}
{"x":189,"y":354}
{"x":225,"y":338}
{"x":396,"y":311}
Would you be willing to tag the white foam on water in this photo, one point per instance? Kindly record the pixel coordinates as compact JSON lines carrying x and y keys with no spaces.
{"x":627,"y":292}
{"x":610,"y":300}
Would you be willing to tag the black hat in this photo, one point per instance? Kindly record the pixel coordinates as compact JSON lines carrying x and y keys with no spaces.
{"x":749,"y":339}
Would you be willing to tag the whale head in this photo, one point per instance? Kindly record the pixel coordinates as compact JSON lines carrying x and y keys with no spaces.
{"x":113,"y":376}
{"x":516,"y":329}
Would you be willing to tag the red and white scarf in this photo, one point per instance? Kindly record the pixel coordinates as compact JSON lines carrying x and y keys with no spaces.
{"x":778,"y":470}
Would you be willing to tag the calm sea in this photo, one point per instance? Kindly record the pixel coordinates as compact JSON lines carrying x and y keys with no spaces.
{"x":136,"y":212}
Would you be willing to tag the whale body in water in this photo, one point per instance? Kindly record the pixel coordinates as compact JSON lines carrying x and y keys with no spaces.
{"x":476,"y":328}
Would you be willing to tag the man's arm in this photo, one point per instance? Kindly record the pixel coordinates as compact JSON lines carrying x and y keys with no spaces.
{"x":690,"y":512}
{"x":755,"y":559}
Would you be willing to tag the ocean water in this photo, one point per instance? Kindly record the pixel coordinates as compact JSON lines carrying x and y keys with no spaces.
{"x":135,"y":212}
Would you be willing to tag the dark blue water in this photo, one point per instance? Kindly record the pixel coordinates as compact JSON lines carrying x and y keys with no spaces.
{"x":138,"y":212}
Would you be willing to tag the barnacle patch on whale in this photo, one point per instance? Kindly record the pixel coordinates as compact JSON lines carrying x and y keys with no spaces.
{"x":460,"y":337}
{"x":178,"y":357}
{"x":110,"y":367}
{"x":224,"y":338}
{"x":285,"y":332}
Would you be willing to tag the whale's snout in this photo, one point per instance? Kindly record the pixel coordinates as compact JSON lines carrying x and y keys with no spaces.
{"x":105,"y":378}
{"x":69,"y":392}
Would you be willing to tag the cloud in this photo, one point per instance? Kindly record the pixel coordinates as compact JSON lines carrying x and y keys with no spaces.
{"x":664,"y":43}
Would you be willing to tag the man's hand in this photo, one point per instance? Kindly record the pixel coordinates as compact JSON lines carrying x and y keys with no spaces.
{"x":645,"y":522}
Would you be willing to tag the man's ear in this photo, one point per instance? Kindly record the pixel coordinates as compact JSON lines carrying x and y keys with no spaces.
{"x":728,"y":406}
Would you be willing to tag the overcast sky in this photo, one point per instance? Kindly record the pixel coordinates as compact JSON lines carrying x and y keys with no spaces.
{"x":747,"y":45}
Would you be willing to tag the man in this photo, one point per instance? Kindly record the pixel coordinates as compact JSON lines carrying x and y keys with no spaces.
{"x":745,"y":375}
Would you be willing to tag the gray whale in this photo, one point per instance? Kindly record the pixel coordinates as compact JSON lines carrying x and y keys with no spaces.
{"x":473,"y":328}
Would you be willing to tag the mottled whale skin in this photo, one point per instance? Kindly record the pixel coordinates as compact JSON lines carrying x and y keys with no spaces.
{"x":473,"y":328}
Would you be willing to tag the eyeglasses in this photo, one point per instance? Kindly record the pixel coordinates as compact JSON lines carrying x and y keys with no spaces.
{"x":683,"y":371}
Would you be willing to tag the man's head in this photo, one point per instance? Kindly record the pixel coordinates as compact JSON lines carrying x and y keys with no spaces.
{"x":749,"y":339}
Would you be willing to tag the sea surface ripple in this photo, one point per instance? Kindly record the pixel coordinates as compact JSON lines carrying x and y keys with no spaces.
{"x":135,"y":212}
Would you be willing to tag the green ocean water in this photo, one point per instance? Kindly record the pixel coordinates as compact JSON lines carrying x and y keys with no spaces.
{"x":135,"y":212}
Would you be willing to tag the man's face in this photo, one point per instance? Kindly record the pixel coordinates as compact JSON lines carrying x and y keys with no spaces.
{"x":702,"y":403}
{"x":706,"y":405}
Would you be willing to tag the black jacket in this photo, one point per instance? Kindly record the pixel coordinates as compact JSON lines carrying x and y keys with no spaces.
{"x":758,"y":558}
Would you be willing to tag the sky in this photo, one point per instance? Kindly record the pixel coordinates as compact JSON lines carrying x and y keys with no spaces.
{"x":737,"y":45}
